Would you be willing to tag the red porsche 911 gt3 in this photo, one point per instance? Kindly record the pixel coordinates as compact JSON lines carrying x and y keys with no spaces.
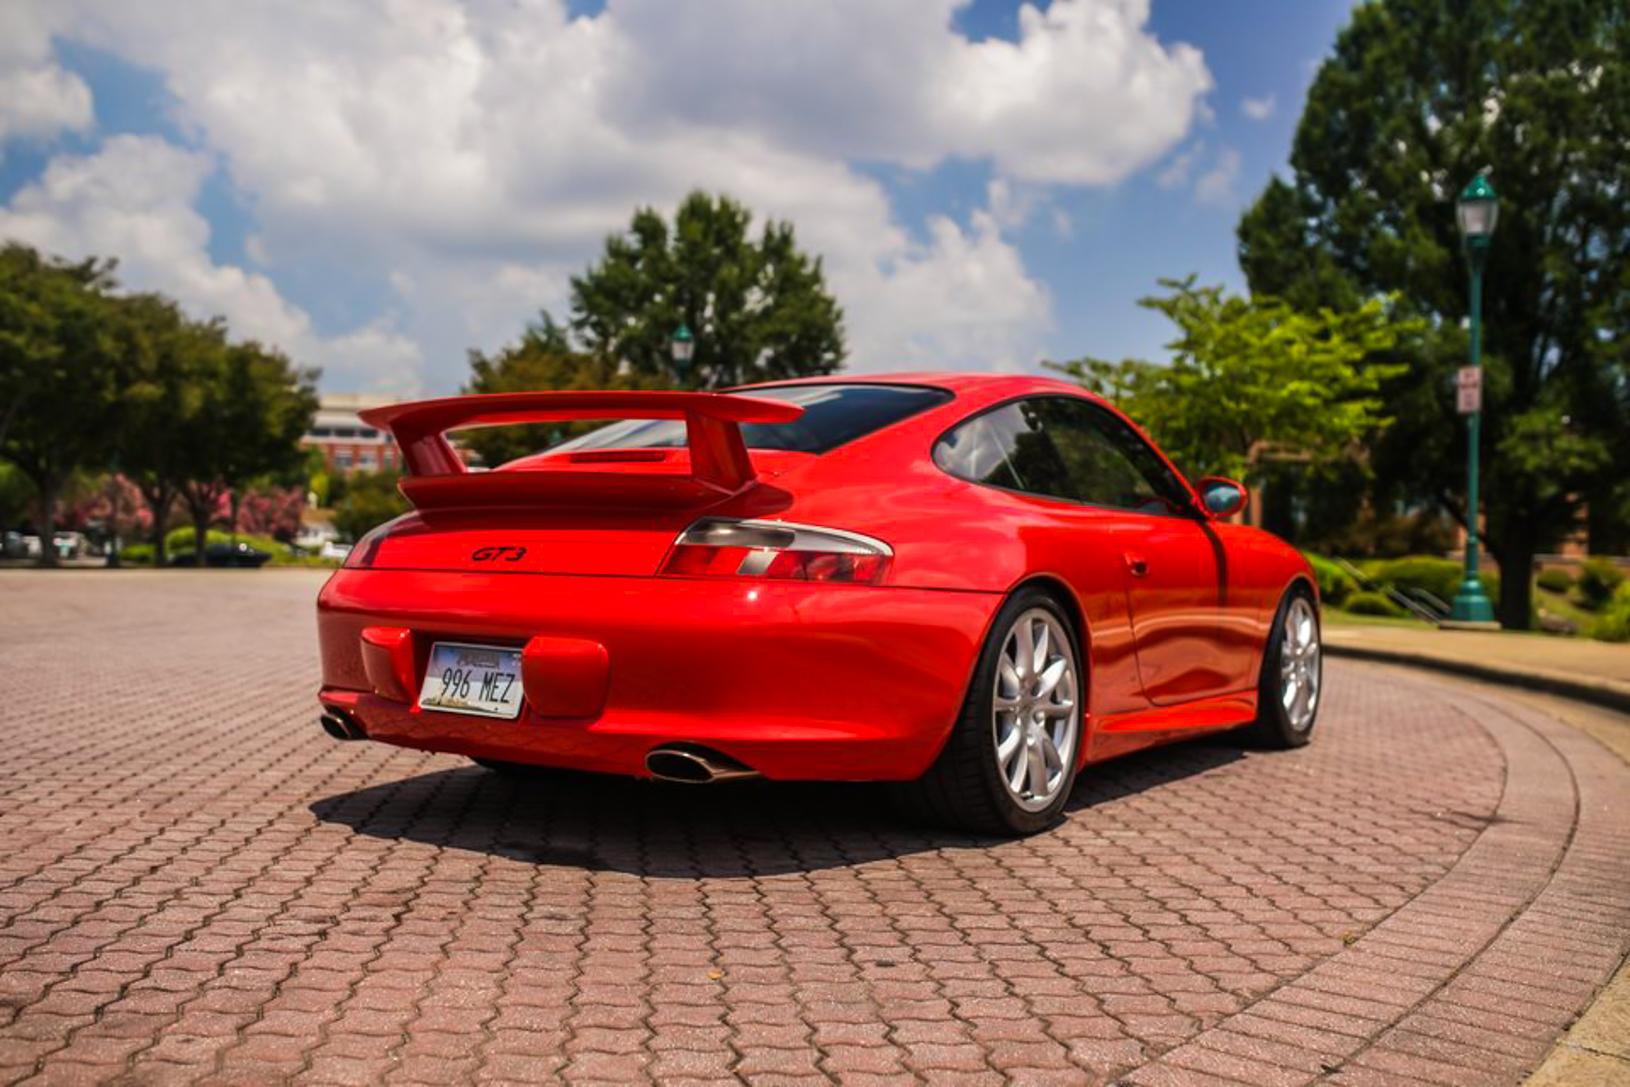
{"x":972,"y":585}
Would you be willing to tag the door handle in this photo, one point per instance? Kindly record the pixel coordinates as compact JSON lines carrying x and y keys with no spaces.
{"x":1137,"y":565}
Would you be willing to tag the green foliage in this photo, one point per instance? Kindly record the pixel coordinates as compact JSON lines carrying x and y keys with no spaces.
{"x":1368,"y":603}
{"x":137,"y":554}
{"x":180,"y":541}
{"x":62,"y":365}
{"x":1439,"y":576}
{"x":1335,"y":584}
{"x":1613,"y":625}
{"x":371,"y":499}
{"x":1554,"y":580}
{"x":543,"y":359}
{"x":16,"y":496}
{"x":1599,"y":579}
{"x":1253,"y":378}
{"x":758,"y":308}
{"x":1416,"y":99}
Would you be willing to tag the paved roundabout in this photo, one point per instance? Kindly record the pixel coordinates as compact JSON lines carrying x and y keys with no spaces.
{"x":197,"y":886}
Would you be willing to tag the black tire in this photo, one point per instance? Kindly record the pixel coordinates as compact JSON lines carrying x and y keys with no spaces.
{"x":1276,"y":725}
{"x":963,"y":789}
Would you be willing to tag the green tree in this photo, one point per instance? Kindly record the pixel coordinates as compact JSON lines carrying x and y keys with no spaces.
{"x":1250,"y":377}
{"x":165,"y":403}
{"x":254,"y":405}
{"x":1417,"y":98}
{"x":63,"y":365}
{"x":758,"y":308}
{"x":543,"y":359}
{"x":371,"y":499}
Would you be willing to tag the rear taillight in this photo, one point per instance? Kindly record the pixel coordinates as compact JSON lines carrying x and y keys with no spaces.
{"x":776,"y":550}
{"x":364,"y":550}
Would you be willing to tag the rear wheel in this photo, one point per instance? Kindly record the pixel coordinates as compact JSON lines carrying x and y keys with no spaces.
{"x":1009,"y":763}
{"x":1292,"y":674}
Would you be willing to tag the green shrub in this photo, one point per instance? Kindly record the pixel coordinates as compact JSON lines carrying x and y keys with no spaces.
{"x":140,"y":554}
{"x":1613,"y":625}
{"x":1438,"y":576}
{"x":1335,"y":584}
{"x":1368,"y":603}
{"x":1554,"y":581}
{"x":1598,"y":580}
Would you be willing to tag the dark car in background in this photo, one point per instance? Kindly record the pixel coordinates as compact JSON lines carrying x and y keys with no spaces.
{"x":239,"y":554}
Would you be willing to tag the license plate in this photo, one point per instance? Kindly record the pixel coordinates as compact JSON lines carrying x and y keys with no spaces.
{"x":484,"y":680}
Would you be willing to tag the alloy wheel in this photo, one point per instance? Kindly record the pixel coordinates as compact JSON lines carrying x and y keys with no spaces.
{"x":1035,"y":711}
{"x":1299,"y":671}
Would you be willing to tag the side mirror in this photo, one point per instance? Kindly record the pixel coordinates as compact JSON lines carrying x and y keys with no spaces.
{"x":1223,"y":497}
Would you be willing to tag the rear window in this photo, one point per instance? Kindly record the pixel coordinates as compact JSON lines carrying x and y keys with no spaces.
{"x":833,"y":415}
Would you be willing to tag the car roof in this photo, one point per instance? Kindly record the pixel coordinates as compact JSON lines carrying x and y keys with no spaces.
{"x":964,"y":384}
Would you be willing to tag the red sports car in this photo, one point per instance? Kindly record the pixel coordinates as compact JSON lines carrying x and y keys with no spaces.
{"x":972,"y":585}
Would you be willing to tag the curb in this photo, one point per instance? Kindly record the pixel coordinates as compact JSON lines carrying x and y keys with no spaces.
{"x":1613,"y":696}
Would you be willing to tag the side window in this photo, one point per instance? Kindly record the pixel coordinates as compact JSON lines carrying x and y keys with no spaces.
{"x":1007,"y":447}
{"x":1064,"y":448}
{"x":1109,"y":464}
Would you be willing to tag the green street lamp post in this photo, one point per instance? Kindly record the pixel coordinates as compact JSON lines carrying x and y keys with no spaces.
{"x":1477,"y":210}
{"x":682,"y":347}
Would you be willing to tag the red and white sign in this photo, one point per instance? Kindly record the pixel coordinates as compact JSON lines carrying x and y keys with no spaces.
{"x":1469,"y":390}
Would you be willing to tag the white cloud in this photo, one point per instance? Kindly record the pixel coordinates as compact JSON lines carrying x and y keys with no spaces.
{"x":38,"y":98}
{"x":134,"y":198}
{"x":469,"y":157}
{"x":1181,"y":167}
{"x":1258,"y":109}
{"x":1216,"y":185}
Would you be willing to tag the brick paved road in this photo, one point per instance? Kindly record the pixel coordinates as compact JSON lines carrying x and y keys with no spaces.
{"x":197,"y":885}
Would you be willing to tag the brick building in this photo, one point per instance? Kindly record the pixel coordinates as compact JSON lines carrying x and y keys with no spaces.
{"x":348,"y":444}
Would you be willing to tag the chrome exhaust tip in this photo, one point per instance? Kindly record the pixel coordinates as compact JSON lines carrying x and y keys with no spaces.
{"x":341,"y":725}
{"x":695,"y":765}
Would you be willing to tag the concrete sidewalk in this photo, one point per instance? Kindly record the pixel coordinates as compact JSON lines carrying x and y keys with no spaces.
{"x":1591,"y":671}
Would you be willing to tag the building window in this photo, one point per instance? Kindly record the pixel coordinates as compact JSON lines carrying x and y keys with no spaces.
{"x":366,"y":462}
{"x":342,"y":458}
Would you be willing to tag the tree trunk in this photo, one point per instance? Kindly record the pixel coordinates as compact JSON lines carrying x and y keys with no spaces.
{"x":160,"y":501}
{"x":47,"y":485}
{"x":200,"y":534}
{"x":1516,"y":607}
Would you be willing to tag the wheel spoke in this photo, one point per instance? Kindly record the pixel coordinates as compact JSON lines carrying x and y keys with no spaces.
{"x":1008,"y":745}
{"x":1007,"y":674}
{"x":1049,"y":752}
{"x":1042,"y":648}
{"x":1049,"y":679}
{"x":1036,"y":770}
{"x":1062,"y":708}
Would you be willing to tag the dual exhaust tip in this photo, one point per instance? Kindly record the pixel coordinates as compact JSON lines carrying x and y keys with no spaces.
{"x":694,"y":765}
{"x":688,"y":764}
{"x":341,"y":725}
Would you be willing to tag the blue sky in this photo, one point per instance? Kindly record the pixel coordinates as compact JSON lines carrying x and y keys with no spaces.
{"x":338,"y":200}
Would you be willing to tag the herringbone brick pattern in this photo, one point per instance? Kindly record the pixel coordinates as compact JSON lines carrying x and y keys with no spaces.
{"x":196,"y":885}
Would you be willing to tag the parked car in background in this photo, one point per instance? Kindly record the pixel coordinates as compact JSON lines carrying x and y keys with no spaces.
{"x":225,"y":554}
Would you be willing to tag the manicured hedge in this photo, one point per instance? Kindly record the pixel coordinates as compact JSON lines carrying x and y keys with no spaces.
{"x":1368,"y":603}
{"x":1554,"y":580}
{"x":1335,"y":584}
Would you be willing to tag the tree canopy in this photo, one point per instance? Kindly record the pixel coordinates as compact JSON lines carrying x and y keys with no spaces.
{"x":1251,"y":378}
{"x":1419,"y":97}
{"x":95,"y":379}
{"x":758,"y":307}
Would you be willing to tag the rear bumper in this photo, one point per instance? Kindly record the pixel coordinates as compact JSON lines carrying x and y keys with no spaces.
{"x":797,"y":681}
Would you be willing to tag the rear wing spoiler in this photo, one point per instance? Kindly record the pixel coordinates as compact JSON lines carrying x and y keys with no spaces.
{"x":437,"y":476}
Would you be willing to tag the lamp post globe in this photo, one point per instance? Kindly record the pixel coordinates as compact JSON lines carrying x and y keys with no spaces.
{"x":1476,"y":212}
{"x":682,"y":347}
